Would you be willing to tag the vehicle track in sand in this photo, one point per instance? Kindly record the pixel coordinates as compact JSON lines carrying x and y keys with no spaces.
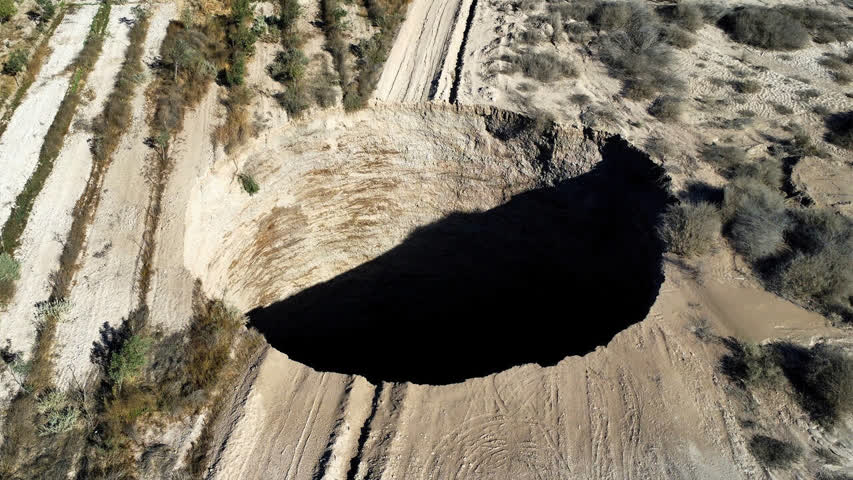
{"x":423,"y":67}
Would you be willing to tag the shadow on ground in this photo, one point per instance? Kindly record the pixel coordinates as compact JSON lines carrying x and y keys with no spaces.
{"x":554,"y":272}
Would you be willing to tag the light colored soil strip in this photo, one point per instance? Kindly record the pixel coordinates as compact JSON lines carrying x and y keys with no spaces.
{"x":104,"y":288}
{"x":22,"y":140}
{"x":51,"y":217}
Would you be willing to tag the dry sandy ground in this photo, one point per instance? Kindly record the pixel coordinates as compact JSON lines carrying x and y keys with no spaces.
{"x":649,"y":405}
{"x":51,"y":216}
{"x":423,"y":66}
{"x":22,"y":140}
{"x":105,"y":290}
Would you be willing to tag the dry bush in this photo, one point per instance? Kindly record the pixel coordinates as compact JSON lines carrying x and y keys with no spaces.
{"x":237,"y":128}
{"x":753,"y":365}
{"x":767,"y":171}
{"x":542,"y":66}
{"x":823,"y":25}
{"x":773,"y":453}
{"x":840,"y":126}
{"x":10,"y":271}
{"x":667,"y":108}
{"x":757,"y":218}
{"x":690,"y":229}
{"x":820,"y":269}
{"x":839,"y":67}
{"x":725,"y":158}
{"x":764,"y":27}
{"x":639,"y":57}
{"x":580,"y":99}
{"x":612,"y":15}
{"x":822,"y":379}
{"x":746,"y":86}
{"x":678,"y":37}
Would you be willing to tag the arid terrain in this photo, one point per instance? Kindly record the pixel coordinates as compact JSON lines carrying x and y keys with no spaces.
{"x":426,"y":239}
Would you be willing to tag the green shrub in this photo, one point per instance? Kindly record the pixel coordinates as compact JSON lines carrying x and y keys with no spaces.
{"x":288,"y":66}
{"x":757,"y":218}
{"x":667,"y":108}
{"x":248,"y":183}
{"x":764,"y":27}
{"x":294,"y":100}
{"x":774,"y":453}
{"x":7,"y":10}
{"x":690,"y":229}
{"x":127,"y":362}
{"x":753,"y":365}
{"x":46,"y":10}
{"x":57,"y":413}
{"x":16,"y":63}
{"x":10,"y":270}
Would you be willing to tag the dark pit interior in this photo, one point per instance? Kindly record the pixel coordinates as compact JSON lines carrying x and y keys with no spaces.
{"x":555,"y":271}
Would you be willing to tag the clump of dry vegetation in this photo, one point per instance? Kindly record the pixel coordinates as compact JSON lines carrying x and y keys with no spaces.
{"x":667,"y":108}
{"x":723,"y":157}
{"x":542,"y":66}
{"x":690,"y":229}
{"x":288,"y":68}
{"x":10,"y":271}
{"x":757,"y":219}
{"x":840,"y":126}
{"x":746,"y":86}
{"x":773,"y":453}
{"x":820,"y":378}
{"x":765,"y":27}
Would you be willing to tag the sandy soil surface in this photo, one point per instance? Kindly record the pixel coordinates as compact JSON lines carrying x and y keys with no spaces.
{"x":609,"y":414}
{"x":105,"y":288}
{"x":23,"y":137}
{"x":51,"y":216}
{"x":423,"y":66}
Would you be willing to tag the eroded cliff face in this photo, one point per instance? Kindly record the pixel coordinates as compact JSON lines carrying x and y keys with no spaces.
{"x":341,"y":190}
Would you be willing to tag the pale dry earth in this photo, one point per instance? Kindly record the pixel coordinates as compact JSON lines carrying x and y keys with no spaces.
{"x":105,"y":290}
{"x":51,"y":218}
{"x":23,"y":138}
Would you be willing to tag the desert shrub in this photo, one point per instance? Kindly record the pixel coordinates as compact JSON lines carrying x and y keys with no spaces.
{"x":667,"y":108}
{"x":288,"y":66}
{"x":838,"y":66}
{"x":679,"y":38}
{"x":757,"y":218}
{"x":599,"y":117}
{"x":746,"y":86}
{"x":57,"y":413}
{"x":47,"y":10}
{"x":611,"y":15}
{"x":774,"y":453}
{"x":690,"y":229}
{"x":840,"y":126}
{"x":823,"y":25}
{"x":127,"y":362}
{"x":237,"y":127}
{"x":7,"y":10}
{"x":248,"y":183}
{"x":658,"y":147}
{"x":763,"y":27}
{"x":16,"y":63}
{"x":781,"y":109}
{"x":752,"y":365}
{"x":543,"y":66}
{"x":820,"y":268}
{"x":580,"y":99}
{"x":10,"y":270}
{"x":639,"y":57}
{"x":822,"y":379}
{"x":767,"y":171}
{"x":808,"y":94}
{"x":724,"y":157}
{"x":689,"y":16}
{"x":294,"y":100}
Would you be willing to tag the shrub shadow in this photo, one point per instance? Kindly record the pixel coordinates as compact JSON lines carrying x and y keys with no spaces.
{"x":555,"y":271}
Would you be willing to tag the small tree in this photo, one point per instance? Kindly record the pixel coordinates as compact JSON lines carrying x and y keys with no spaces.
{"x":7,"y":9}
{"x":248,"y":183}
{"x":128,"y":361}
{"x":15,"y":63}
